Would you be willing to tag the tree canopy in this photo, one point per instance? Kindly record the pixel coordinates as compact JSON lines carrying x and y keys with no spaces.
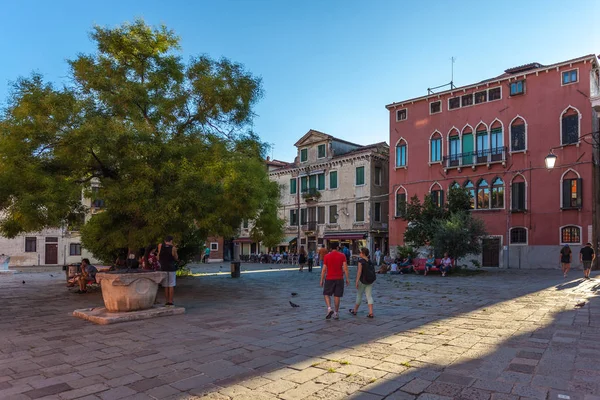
{"x":167,"y":142}
{"x":451,"y":228}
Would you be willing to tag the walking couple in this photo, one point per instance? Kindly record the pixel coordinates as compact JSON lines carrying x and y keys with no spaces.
{"x":335,"y":266}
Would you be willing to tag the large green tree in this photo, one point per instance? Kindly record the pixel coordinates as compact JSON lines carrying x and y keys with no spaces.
{"x":167,"y":142}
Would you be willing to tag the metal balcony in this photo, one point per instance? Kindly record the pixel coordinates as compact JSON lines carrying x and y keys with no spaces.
{"x":481,"y":157}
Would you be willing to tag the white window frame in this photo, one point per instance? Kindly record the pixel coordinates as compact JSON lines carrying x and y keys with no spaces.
{"x":515,"y":81}
{"x":398,"y":113}
{"x":459,"y":103}
{"x":488,"y":95}
{"x":396,"y":199}
{"x":431,"y":137}
{"x":337,"y":180}
{"x":472,"y":98}
{"x":570,"y":244}
{"x":433,"y":113}
{"x":564,"y":72}
{"x":325,"y":156}
{"x":526,"y":236}
{"x":356,"y":214}
{"x":364,"y":176}
{"x":490,"y":132}
{"x":526,"y":194}
{"x":562,"y":177}
{"x":305,"y":148}
{"x":396,"y":154}
{"x":454,"y":128}
{"x":214,"y":246}
{"x":510,"y":135}
{"x":560,"y":118}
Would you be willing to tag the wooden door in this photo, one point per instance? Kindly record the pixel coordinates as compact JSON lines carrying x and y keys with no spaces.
{"x":491,"y":252}
{"x":51,"y":253}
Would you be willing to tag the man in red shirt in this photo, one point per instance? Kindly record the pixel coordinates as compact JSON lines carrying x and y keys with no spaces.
{"x":332,"y":279}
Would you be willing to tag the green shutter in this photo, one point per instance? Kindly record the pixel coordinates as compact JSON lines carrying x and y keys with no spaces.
{"x":321,"y":183}
{"x":303,"y":184}
{"x":312,"y":182}
{"x":333,"y":183}
{"x":293,"y":186}
{"x":360,"y":175}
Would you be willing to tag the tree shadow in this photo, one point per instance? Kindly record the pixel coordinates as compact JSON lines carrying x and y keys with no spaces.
{"x":455,"y":337}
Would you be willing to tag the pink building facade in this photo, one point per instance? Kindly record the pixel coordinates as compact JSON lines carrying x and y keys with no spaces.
{"x":492,"y":138}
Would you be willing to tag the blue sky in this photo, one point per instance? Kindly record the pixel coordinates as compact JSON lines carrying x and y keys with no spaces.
{"x":326,"y":65}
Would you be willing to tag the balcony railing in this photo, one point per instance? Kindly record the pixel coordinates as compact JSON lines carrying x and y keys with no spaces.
{"x":309,"y":226}
{"x":311,"y":194}
{"x":489,"y":156}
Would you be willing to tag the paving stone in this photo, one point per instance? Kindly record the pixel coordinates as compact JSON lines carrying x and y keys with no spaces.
{"x":443,"y":388}
{"x":416,"y":386}
{"x":48,"y":390}
{"x":278,"y":386}
{"x":301,"y":391}
{"x":457,"y":379}
{"x":84,"y":391}
{"x":474,"y":394}
{"x":529,"y":391}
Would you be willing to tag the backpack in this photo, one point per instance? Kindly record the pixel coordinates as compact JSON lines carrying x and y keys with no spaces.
{"x":368,"y":275}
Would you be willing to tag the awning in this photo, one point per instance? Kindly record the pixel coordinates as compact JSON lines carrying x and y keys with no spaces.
{"x":344,"y":235}
{"x":243,"y":240}
{"x":287,"y":241}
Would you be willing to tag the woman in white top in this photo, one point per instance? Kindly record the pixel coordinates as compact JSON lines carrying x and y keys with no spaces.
{"x":445,"y":265}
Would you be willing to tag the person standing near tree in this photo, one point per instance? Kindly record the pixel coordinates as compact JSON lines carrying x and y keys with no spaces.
{"x":167,"y":256}
{"x":206,"y":254}
{"x":586,"y":257}
{"x":565,"y":259}
{"x":332,"y":279}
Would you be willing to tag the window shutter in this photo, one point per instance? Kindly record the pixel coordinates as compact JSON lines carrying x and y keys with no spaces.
{"x":515,"y":196}
{"x":579,"y":192}
{"x":441,"y":198}
{"x":566,"y":193}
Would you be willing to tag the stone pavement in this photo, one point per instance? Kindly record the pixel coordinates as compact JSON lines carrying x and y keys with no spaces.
{"x":498,"y":335}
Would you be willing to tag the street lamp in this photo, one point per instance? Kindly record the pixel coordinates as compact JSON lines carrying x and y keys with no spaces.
{"x":550,"y":159}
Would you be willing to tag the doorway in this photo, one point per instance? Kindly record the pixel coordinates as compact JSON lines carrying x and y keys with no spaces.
{"x":51,"y":254}
{"x":491,"y":252}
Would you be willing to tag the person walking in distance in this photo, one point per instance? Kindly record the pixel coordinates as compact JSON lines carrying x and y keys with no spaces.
{"x":565,"y":259}
{"x":332,"y":279}
{"x":322,"y":253}
{"x":365,"y":277}
{"x":586,"y":257}
{"x":377,"y":256}
{"x":167,"y":255}
{"x":301,"y":258}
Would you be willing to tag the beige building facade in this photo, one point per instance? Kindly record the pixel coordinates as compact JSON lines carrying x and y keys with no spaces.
{"x":334,"y":191}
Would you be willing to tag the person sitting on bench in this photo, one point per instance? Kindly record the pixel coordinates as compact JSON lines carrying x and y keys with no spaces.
{"x":406,"y":265}
{"x":87,"y":275}
{"x":429,"y":263}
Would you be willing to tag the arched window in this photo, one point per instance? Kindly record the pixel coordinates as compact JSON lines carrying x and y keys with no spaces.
{"x":496,"y":140}
{"x":437,"y":194}
{"x":518,"y":193}
{"x":453,"y":147}
{"x":570,"y":234}
{"x":454,"y":185}
{"x":498,"y":193}
{"x":569,"y":126}
{"x":518,"y":134}
{"x":401,"y":153}
{"x":400,"y":202}
{"x":483,"y":194}
{"x":518,"y":235}
{"x":435,"y":155}
{"x":483,"y":142}
{"x":471,"y":188}
{"x":571,"y":195}
{"x":468,"y":145}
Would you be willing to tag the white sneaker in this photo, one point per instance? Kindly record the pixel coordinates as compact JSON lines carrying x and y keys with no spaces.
{"x":336,"y":315}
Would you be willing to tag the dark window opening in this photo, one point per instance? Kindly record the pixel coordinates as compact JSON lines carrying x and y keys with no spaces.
{"x":518,"y":236}
{"x":494,"y":94}
{"x":435,"y":107}
{"x":454,"y":103}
